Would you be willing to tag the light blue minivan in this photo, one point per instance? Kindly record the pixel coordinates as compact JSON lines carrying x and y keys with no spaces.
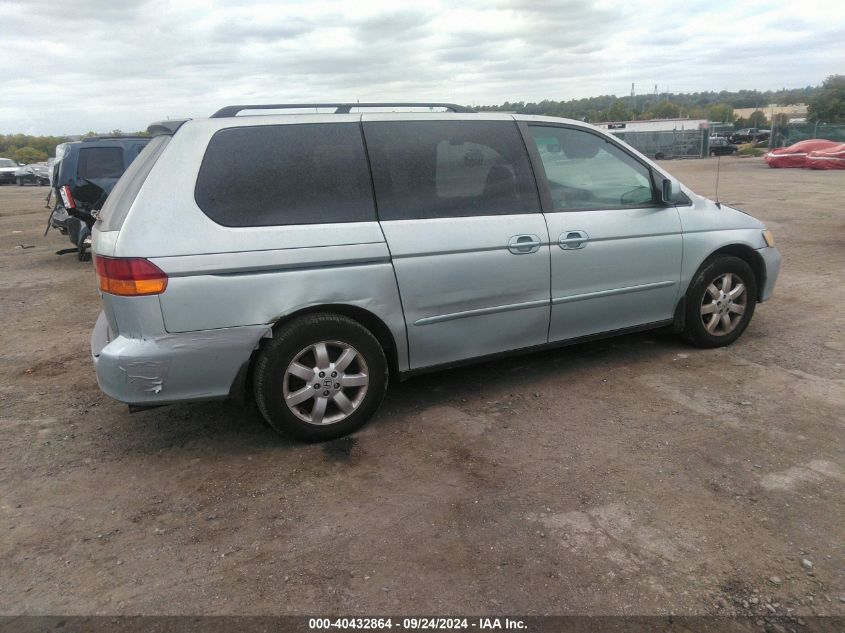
{"x":310,"y":257}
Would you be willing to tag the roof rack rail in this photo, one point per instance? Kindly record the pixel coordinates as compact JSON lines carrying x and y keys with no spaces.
{"x":340,"y":108}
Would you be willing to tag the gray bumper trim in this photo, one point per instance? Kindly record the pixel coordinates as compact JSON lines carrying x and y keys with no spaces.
{"x":171,"y":368}
{"x":771,"y":258}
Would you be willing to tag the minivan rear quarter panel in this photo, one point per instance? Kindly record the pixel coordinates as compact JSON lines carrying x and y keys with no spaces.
{"x":231,"y":276}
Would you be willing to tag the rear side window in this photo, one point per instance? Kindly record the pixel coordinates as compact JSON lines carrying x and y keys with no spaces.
{"x":435,"y":169}
{"x":100,"y":162}
{"x":286,"y":174}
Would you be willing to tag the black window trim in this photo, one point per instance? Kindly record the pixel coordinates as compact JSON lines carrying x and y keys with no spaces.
{"x":543,"y":182}
{"x":374,"y":217}
{"x":531,"y":171}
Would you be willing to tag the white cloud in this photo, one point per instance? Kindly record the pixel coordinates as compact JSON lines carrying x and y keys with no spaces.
{"x":98,"y":64}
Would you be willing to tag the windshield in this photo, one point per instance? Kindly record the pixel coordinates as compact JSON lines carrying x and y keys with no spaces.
{"x":5,"y":162}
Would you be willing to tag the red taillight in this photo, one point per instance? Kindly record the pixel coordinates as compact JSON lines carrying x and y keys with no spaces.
{"x":129,"y":276}
{"x":67,"y":198}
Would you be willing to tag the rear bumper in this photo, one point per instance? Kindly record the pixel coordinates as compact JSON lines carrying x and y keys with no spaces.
{"x":171,"y":368}
{"x":771,"y":259}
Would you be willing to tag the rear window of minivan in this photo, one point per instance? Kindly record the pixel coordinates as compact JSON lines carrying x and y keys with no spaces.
{"x":272,"y":175}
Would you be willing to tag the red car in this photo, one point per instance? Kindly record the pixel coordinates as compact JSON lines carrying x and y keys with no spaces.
{"x":796,"y":155}
{"x":830,"y":158}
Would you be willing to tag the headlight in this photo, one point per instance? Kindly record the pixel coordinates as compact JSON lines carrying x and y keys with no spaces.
{"x":770,"y":239}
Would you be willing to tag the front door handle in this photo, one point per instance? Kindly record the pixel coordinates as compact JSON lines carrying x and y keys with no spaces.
{"x":573,"y":240}
{"x":524,"y":244}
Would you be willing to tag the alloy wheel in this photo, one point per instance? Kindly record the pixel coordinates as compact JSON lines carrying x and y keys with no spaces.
{"x":724,"y":302}
{"x":325,"y":382}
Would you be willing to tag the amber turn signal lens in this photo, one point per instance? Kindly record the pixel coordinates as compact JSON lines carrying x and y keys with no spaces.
{"x":770,"y":239}
{"x":129,"y":276}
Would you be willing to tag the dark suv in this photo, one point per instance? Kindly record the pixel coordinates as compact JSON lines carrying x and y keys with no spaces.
{"x":90,"y":168}
{"x":750,"y":135}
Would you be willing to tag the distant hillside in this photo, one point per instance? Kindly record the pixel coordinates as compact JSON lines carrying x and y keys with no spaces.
{"x":716,"y":106}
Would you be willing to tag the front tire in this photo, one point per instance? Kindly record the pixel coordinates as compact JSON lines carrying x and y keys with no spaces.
{"x":321,"y":377}
{"x":720,"y":302}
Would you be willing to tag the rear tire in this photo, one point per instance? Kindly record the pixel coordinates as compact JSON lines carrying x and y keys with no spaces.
{"x":720,"y":302}
{"x":321,"y":377}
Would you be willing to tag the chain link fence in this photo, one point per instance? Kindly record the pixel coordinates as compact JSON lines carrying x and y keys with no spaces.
{"x":794,"y":132}
{"x":668,"y":144}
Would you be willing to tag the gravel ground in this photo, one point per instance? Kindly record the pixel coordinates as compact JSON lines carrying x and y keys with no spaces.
{"x":630,"y":476}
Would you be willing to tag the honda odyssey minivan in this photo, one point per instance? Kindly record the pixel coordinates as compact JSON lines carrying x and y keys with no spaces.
{"x":309,"y":258}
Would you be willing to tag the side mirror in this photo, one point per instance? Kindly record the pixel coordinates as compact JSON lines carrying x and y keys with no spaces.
{"x":671,"y":191}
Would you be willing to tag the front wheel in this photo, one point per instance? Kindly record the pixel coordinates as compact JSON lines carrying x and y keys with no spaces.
{"x":322,"y":376}
{"x":720,"y":302}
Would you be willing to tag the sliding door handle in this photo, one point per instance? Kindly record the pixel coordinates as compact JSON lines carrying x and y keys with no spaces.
{"x":573,"y":240}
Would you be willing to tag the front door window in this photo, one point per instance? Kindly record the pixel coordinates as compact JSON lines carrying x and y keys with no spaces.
{"x":586,"y":171}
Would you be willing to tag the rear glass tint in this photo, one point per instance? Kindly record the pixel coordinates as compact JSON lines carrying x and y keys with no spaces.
{"x":120,"y":199}
{"x":273,"y":175}
{"x":100,"y":162}
{"x":437,"y":169}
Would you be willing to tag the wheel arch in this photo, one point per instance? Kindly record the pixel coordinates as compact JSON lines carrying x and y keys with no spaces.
{"x":363,"y":316}
{"x":749,"y":255}
{"x":242,"y":384}
{"x":744,"y":252}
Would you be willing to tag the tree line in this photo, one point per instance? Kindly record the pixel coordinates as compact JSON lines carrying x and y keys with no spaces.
{"x":825,"y":103}
{"x":25,"y":148}
{"x":29,"y":149}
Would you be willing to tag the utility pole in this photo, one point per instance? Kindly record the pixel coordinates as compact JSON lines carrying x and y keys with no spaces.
{"x":633,"y":99}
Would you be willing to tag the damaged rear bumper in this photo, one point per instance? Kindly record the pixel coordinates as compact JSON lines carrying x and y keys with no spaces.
{"x":170,"y":368}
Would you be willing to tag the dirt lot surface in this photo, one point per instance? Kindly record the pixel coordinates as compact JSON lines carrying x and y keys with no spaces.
{"x":630,"y":476}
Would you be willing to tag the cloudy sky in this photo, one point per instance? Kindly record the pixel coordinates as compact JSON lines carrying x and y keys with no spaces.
{"x":73,"y":66}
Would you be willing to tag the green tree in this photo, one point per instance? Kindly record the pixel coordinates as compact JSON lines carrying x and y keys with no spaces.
{"x":829,"y":104}
{"x":29,"y":155}
{"x":11,"y":143}
{"x":758,"y":119}
{"x":666,"y":110}
{"x":721,"y":113}
{"x":618,"y":111}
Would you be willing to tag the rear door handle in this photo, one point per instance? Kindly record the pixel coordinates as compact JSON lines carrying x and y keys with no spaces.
{"x":524,"y":244}
{"x":573,"y":240}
